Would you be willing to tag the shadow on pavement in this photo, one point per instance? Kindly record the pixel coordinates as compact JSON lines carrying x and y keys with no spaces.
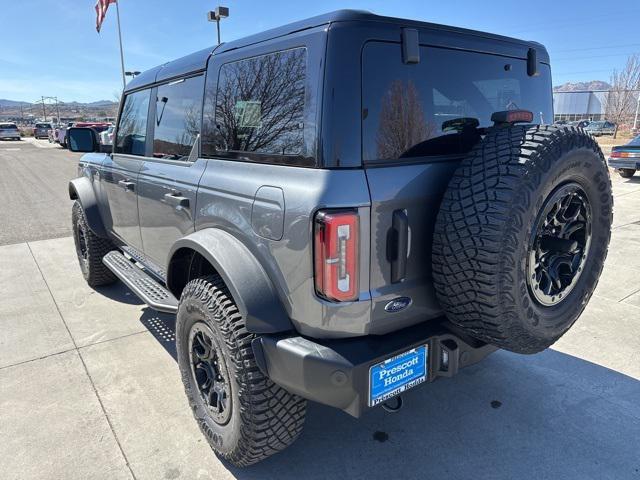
{"x":510,"y":417}
{"x":119,"y":292}
{"x":162,"y":326}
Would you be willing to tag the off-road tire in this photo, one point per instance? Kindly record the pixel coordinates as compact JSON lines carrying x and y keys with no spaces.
{"x":265,"y":418}
{"x":93,"y":270}
{"x":485,"y":224}
{"x":626,"y":172}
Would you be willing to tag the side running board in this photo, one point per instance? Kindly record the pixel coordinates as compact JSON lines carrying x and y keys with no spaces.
{"x":144,"y":286}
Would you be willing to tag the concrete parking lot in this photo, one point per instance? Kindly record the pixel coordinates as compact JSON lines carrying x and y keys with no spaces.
{"x":89,"y":385}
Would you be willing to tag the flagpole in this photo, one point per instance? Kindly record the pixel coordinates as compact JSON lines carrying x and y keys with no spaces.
{"x":124,"y":82}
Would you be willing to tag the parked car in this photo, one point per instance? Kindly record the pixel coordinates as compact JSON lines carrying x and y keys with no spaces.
{"x":53,"y":133}
{"x":579,"y":123}
{"x":9,"y":131}
{"x":106,"y":137}
{"x":370,"y":216}
{"x":41,"y":130}
{"x":61,"y":136}
{"x":601,"y":128}
{"x":626,"y":158}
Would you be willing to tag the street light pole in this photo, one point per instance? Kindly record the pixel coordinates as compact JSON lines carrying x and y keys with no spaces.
{"x":216,"y":15}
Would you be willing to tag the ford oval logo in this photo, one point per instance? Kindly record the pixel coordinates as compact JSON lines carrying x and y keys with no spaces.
{"x":397,"y":304}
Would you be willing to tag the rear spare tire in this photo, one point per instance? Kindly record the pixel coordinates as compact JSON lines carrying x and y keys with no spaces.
{"x":522,"y":234}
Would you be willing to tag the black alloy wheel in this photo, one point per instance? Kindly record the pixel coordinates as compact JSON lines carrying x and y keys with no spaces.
{"x":559,"y":245}
{"x":210,"y":373}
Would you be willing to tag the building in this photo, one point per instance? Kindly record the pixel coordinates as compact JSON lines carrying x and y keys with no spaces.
{"x":579,"y":105}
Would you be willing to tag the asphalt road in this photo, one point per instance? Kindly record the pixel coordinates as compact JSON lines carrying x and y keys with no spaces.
{"x":89,"y":386}
{"x":34,"y":201}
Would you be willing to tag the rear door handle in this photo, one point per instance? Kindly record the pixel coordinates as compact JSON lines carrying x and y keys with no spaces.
{"x":127,"y":185}
{"x":175,"y":199}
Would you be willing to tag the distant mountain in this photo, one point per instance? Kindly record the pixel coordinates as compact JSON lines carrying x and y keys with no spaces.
{"x":12,"y":103}
{"x":100,"y":103}
{"x":581,"y":86}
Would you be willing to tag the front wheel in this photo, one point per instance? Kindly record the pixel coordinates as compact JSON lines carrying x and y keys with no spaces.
{"x":90,"y":250}
{"x":244,"y":416}
{"x":626,"y":172}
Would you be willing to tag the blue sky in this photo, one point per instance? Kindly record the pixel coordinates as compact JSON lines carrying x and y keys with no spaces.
{"x":51,"y":48}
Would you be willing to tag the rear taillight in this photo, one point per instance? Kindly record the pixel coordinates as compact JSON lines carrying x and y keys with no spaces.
{"x":336,"y":252}
{"x":618,"y":154}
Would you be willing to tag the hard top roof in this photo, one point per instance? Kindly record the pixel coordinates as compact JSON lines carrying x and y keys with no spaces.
{"x":198,"y":60}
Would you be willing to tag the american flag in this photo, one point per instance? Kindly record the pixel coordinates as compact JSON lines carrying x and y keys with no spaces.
{"x":101,"y":11}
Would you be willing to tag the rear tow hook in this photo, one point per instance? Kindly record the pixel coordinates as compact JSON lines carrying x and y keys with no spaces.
{"x":393,"y":408}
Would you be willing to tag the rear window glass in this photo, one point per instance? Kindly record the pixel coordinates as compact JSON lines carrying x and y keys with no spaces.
{"x":635,"y":142}
{"x":259,"y":108}
{"x":43,"y":125}
{"x":132,"y":126}
{"x":435,"y":106}
{"x":178,"y":117}
{"x":8,"y":126}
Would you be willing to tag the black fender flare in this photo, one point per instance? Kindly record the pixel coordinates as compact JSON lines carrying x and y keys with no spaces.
{"x":81,"y":189}
{"x":248,"y":283}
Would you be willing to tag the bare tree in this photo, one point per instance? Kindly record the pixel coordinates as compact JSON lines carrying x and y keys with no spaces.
{"x":621,"y":101}
{"x":260,"y":104}
{"x":402,"y":123}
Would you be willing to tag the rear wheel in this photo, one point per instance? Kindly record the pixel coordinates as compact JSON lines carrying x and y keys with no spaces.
{"x":90,"y":250}
{"x":244,"y":415}
{"x":522,"y":235}
{"x":626,"y":172}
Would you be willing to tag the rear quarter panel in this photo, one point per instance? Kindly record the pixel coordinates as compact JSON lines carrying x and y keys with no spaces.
{"x":226,"y":199}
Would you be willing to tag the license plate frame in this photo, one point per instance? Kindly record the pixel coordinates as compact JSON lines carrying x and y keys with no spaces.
{"x":390,"y":378}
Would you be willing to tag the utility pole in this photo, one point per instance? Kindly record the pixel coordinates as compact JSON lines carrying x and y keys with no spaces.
{"x":635,"y":118}
{"x":57,"y":110}
{"x":44,"y":110}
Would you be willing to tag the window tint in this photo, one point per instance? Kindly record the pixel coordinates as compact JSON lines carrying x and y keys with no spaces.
{"x":132,"y":126}
{"x":259,"y":108}
{"x":635,"y":141}
{"x":177,"y":118}
{"x":8,"y":126}
{"x":436,"y":106}
{"x":43,"y":125}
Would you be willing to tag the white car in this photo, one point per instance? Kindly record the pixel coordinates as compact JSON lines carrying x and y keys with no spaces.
{"x":9,"y":131}
{"x":106,"y":137}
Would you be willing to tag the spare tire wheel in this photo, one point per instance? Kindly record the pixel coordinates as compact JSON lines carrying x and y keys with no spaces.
{"x":522,"y":235}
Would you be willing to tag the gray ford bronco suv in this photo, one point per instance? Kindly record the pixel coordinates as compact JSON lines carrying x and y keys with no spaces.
{"x":339,"y":210}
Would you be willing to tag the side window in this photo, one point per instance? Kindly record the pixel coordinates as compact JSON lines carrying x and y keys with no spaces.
{"x":132,"y":126}
{"x":177,"y":118}
{"x":258,"y":109}
{"x":435,"y":107}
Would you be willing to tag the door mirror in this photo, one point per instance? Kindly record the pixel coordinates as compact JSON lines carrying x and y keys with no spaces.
{"x":83,"y":140}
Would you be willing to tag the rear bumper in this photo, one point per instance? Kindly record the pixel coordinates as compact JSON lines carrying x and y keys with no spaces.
{"x":632,"y":163}
{"x":336,"y":372}
{"x":4,"y":136}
